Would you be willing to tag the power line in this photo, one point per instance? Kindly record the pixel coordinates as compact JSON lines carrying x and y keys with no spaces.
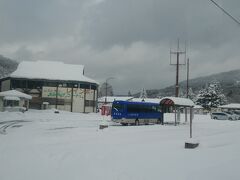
{"x":233,"y":18}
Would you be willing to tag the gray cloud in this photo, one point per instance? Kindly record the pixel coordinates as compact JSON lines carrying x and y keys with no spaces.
{"x":128,"y":39}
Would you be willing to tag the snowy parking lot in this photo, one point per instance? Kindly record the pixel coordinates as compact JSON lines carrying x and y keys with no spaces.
{"x":43,"y":145}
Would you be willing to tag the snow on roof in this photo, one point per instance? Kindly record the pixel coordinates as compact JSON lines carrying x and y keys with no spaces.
{"x":114,"y":98}
{"x":231,"y":106}
{"x":11,"y":98}
{"x":197,"y":107}
{"x":180,"y":101}
{"x":150,"y":100}
{"x":14,"y":93}
{"x":51,"y":70}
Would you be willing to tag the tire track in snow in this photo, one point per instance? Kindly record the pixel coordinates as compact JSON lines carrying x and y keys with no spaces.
{"x":4,"y":125}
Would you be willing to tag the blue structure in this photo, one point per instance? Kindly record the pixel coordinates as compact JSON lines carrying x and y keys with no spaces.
{"x":127,"y":112}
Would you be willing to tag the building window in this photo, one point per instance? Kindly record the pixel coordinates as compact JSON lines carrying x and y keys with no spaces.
{"x":90,"y":103}
{"x":50,"y":84}
{"x":35,"y":84}
{"x":85,"y":86}
{"x":10,"y":103}
{"x":94,"y":87}
{"x":18,"y":84}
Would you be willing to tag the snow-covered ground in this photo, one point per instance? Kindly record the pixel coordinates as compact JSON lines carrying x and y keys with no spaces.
{"x":43,"y":145}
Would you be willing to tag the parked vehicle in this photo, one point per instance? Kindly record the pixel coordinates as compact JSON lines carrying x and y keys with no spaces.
{"x":237,"y":113}
{"x":222,"y":116}
{"x":126,"y":112}
{"x":234,"y":115}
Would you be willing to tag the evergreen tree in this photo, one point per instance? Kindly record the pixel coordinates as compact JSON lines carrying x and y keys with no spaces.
{"x":143,"y":94}
{"x":129,"y":93}
{"x":211,"y":96}
{"x":191,"y":95}
{"x":181,"y":93}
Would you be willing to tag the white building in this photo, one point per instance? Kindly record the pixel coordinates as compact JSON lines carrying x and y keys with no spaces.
{"x":14,"y":101}
{"x":62,"y":86}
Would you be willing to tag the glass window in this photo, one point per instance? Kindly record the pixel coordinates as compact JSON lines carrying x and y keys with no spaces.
{"x":18,"y":84}
{"x":10,"y":103}
{"x":85,"y":86}
{"x":94,"y":87}
{"x":34,"y":84}
{"x":118,"y":107}
{"x":90,"y":103}
{"x":50,"y":84}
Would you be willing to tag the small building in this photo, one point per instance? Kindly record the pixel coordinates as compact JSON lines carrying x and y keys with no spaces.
{"x":55,"y":84}
{"x":230,"y":107}
{"x":14,"y":101}
{"x":198,"y":109}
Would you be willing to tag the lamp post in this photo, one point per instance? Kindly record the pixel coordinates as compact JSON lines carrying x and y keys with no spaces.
{"x":106,"y":91}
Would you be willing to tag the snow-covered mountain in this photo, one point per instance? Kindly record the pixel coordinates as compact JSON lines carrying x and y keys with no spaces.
{"x":230,"y":83}
{"x":7,"y":66}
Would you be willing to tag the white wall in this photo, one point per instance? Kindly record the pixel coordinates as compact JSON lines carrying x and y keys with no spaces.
{"x":78,"y":100}
{"x":64,"y":107}
{"x":1,"y":104}
{"x":5,"y":85}
{"x":79,"y":97}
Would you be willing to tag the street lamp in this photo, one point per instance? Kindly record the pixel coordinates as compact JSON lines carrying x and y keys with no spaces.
{"x":107,"y":87}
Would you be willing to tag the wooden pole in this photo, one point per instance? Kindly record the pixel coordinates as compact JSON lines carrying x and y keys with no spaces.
{"x":185,"y":114}
{"x":175,"y":115}
{"x":187,"y":77}
{"x":56,"y":97}
{"x":72,"y":99}
{"x":191,"y":122}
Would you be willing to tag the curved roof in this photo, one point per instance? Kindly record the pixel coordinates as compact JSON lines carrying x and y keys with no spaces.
{"x":51,"y":70}
{"x":176,"y":101}
{"x":14,"y":93}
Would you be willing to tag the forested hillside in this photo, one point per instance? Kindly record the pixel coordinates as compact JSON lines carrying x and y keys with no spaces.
{"x":7,"y":66}
{"x":230,"y":83}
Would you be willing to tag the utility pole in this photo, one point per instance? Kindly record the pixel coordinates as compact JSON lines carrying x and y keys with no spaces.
{"x":187,"y":77}
{"x":178,"y":53}
{"x":106,"y":90}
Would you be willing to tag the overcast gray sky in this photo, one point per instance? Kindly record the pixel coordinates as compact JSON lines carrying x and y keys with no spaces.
{"x":129,"y":40}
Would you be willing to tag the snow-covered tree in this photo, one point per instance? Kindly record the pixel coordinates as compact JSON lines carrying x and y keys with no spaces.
{"x":192,"y":95}
{"x":129,"y":93}
{"x":211,"y":96}
{"x":181,"y":93}
{"x":143,"y":94}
